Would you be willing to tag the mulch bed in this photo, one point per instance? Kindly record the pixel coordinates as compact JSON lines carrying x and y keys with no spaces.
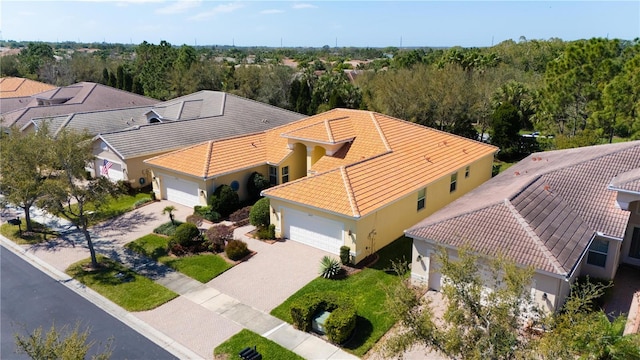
{"x":365,"y":263}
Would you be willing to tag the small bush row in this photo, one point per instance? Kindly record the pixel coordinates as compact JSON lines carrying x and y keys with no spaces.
{"x":341,"y":322}
{"x":168,"y":228}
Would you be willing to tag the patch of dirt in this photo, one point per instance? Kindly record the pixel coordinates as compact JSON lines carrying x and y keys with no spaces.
{"x":365,"y":263}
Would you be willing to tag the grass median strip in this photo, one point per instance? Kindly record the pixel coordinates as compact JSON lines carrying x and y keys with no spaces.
{"x":246,"y":338}
{"x":39,"y":234}
{"x":202,"y":267}
{"x":121,"y":285}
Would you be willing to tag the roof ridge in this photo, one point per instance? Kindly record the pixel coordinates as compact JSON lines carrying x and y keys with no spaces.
{"x":347,"y":185}
{"x":380,"y":132}
{"x":329,"y":133}
{"x":181,"y":110}
{"x":207,"y":160}
{"x":64,"y":124}
{"x":536,"y":239}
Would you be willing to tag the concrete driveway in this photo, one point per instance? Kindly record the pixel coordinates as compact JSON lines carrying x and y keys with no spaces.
{"x":269,"y":277}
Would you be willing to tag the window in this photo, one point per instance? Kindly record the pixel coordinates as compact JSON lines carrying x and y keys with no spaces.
{"x":598,"y":253}
{"x":273,"y":175}
{"x":634,"y":250}
{"x":285,"y":174}
{"x":454,"y":182}
{"x":466,"y":172}
{"x":422,"y":195}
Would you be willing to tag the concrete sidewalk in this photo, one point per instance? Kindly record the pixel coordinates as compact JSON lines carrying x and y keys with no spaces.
{"x":190,"y":326}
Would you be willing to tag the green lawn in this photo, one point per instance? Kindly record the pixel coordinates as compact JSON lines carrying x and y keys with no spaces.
{"x":203,"y":267}
{"x":246,"y":338}
{"x":114,"y":207}
{"x":40,"y":233}
{"x":123,"y":286}
{"x":367,"y":289}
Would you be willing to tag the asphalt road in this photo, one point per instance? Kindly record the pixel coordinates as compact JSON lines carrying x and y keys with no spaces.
{"x":29,"y":299}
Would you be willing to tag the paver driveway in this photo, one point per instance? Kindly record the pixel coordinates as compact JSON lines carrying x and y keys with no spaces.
{"x":268,"y":278}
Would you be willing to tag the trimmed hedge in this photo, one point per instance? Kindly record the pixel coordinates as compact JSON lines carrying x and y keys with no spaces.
{"x":341,"y":322}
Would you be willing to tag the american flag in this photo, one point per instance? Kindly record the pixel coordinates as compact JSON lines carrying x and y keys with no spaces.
{"x":106,"y":165}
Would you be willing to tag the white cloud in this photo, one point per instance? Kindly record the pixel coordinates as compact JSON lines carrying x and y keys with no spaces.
{"x":179,"y":6}
{"x":304,"y":6}
{"x":220,"y":9}
{"x":271,"y":11}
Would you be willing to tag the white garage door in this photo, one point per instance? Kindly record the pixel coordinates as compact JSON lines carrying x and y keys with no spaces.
{"x":181,"y":191}
{"x":112,"y":170}
{"x":313,"y":230}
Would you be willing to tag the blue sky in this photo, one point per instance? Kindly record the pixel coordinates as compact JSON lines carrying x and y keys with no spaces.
{"x":316,"y":23}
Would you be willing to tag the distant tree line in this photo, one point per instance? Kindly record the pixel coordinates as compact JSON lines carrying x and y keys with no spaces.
{"x":581,"y":92}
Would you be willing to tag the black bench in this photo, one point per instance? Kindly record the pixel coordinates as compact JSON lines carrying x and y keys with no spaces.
{"x":249,"y":353}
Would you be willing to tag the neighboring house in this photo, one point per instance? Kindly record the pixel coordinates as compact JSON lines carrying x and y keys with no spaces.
{"x":566,"y":213}
{"x":16,"y":92}
{"x":175,"y":124}
{"x":76,"y":98}
{"x":345,"y":177}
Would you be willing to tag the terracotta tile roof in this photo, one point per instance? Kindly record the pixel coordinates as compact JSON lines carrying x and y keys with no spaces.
{"x":386,"y":153}
{"x":13,"y":87}
{"x":558,"y":200}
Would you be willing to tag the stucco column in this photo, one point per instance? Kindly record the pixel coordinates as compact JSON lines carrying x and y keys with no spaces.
{"x":309,"y":157}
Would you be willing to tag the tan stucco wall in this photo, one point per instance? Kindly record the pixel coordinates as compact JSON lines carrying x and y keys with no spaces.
{"x":242,"y":177}
{"x":297,"y":163}
{"x":611,"y":266}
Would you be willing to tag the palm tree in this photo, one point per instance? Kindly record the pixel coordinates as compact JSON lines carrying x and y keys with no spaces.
{"x":169,"y":209}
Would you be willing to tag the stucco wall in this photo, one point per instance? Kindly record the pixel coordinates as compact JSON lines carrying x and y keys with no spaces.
{"x":242,"y":177}
{"x":634,"y":221}
{"x":611,"y":266}
{"x":548,"y":291}
{"x":297,"y":163}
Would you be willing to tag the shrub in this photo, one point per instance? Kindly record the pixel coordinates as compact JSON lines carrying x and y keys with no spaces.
{"x":167,"y":228}
{"x":236,"y":249}
{"x":224,"y":201}
{"x":268,"y":233}
{"x":207,"y":213}
{"x":329,"y":267}
{"x":345,"y":256}
{"x":186,"y":234}
{"x":218,"y":235}
{"x":195,"y":219}
{"x":339,"y":325}
{"x":141,"y":202}
{"x":256,"y":184}
{"x":259,"y":215}
{"x":241,"y":216}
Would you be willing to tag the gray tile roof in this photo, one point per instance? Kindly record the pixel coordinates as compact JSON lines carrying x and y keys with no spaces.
{"x":221,"y":115}
{"x":543,"y":211}
{"x":95,"y":122}
{"x":629,"y":181}
{"x":80,"y":97}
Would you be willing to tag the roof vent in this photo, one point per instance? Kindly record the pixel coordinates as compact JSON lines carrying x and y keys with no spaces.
{"x":264,"y":121}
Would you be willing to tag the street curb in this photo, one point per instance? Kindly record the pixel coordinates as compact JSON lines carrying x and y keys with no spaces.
{"x":157,"y":337}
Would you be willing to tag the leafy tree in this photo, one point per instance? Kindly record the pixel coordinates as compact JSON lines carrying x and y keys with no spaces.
{"x":60,"y":343}
{"x":24,"y":167}
{"x":70,"y":192}
{"x":505,"y":123}
{"x":33,"y":57}
{"x":477,"y":324}
{"x":9,"y":66}
{"x":582,"y":330}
